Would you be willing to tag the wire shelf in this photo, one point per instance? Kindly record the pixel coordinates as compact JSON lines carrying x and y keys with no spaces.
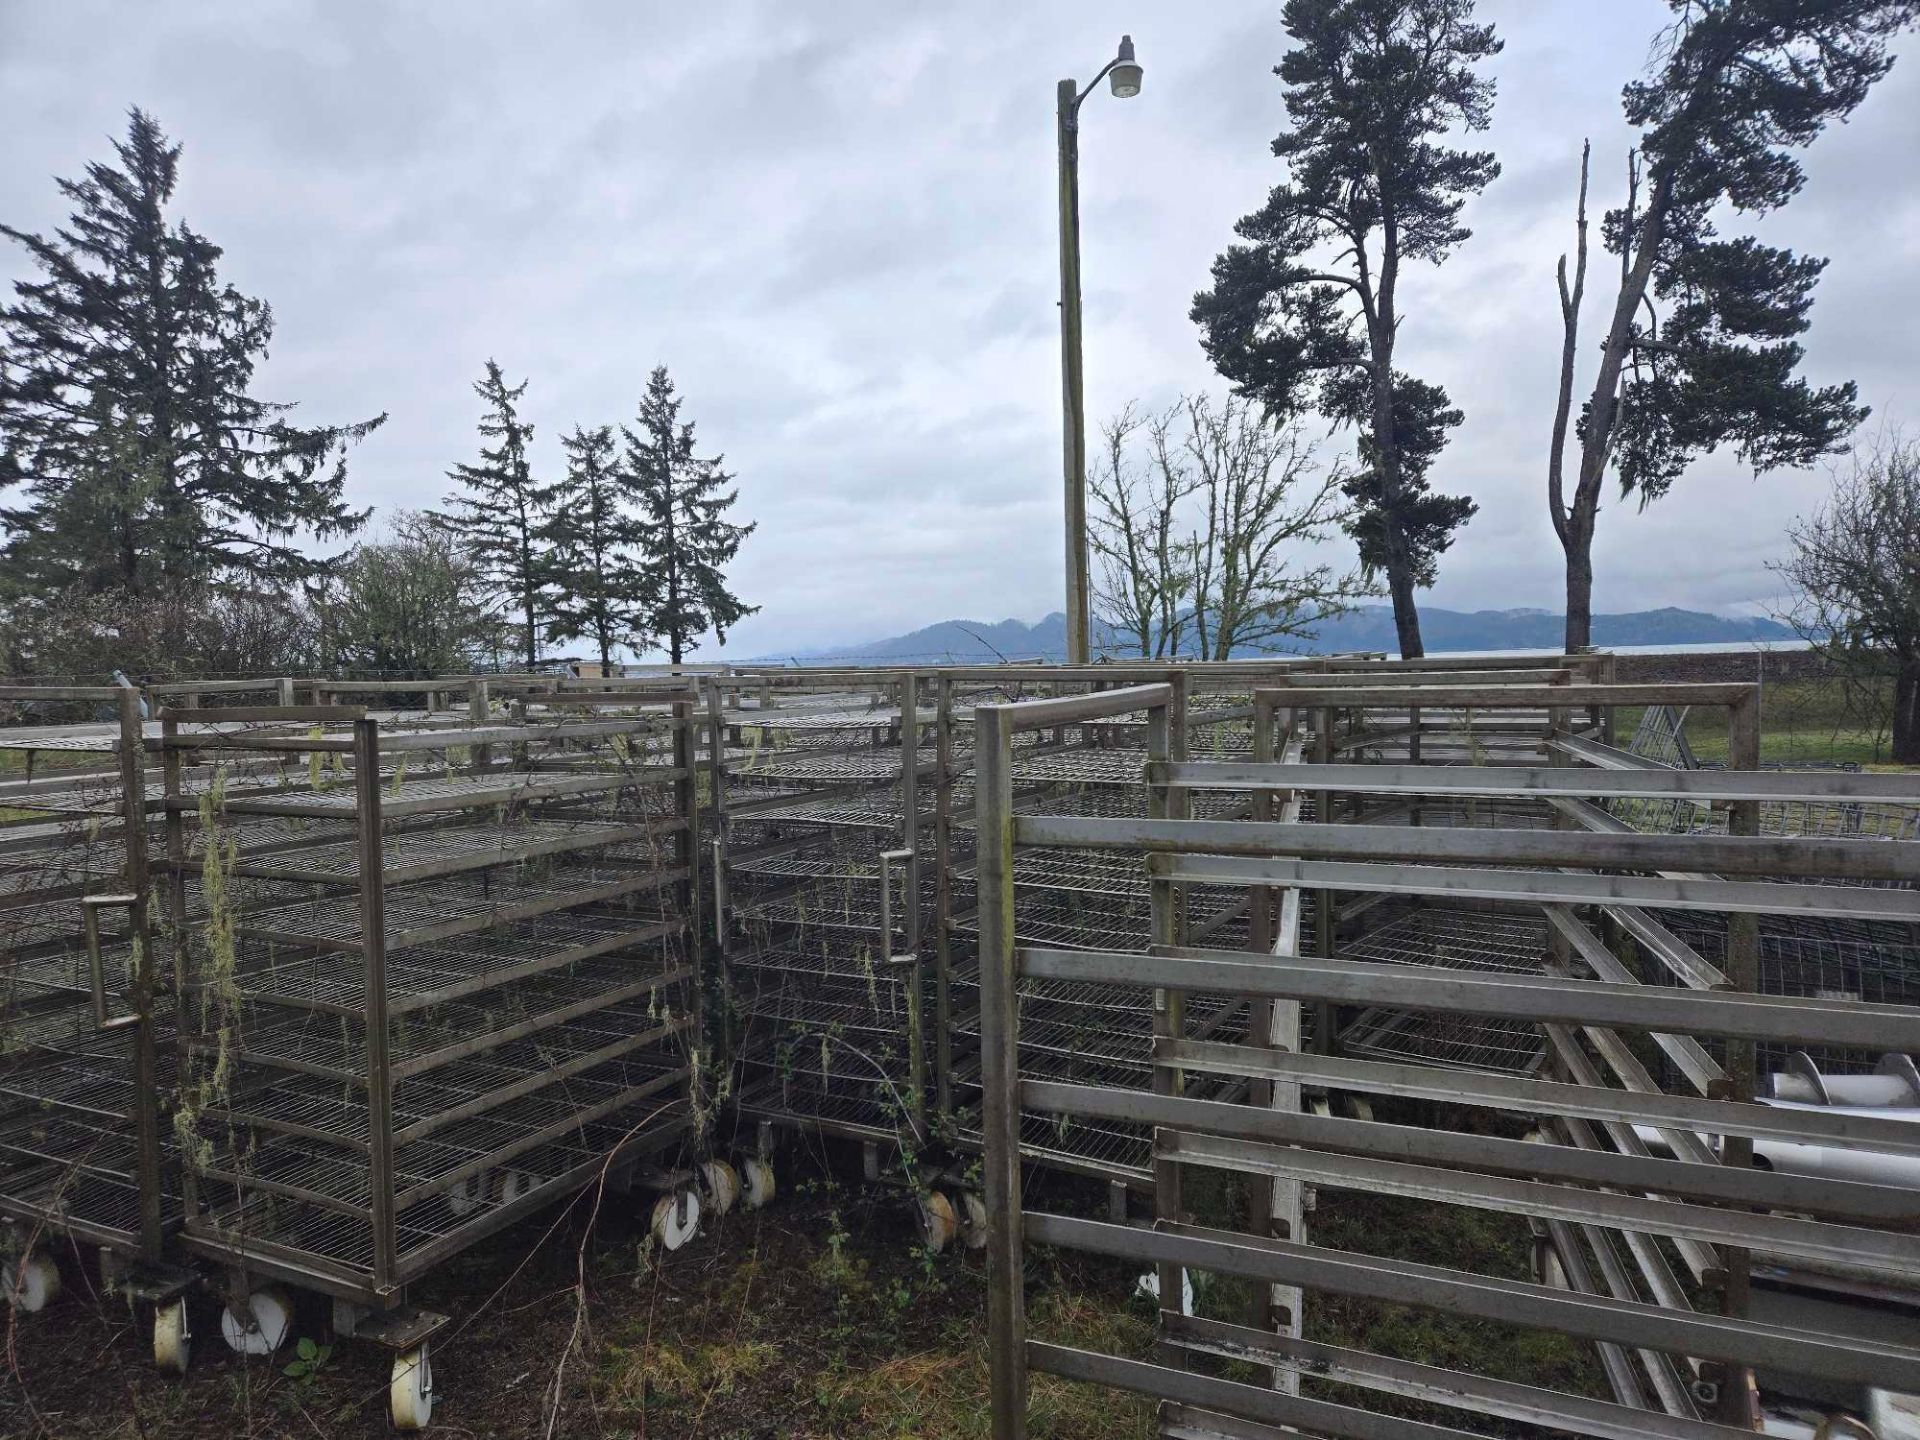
{"x":549,"y":1005}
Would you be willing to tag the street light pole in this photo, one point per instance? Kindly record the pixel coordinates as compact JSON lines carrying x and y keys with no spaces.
{"x":1072,"y":390}
{"x":1125,"y":71}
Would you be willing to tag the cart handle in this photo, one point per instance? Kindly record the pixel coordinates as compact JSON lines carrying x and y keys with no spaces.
{"x":90,"y":908}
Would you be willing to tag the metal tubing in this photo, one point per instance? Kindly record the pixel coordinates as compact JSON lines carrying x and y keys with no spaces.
{"x":1511,"y":1302}
{"x":1522,"y":997}
{"x":1890,"y":1255}
{"x":1736,"y":854}
{"x":1846,"y":902}
{"x":1493,"y":1154}
{"x":999,"y":1075}
{"x":1250,"y":1402}
{"x":373,"y":949}
{"x":1833,"y":1126}
{"x":1460,"y":1390}
{"x":133,"y":800}
{"x":1500,"y":782}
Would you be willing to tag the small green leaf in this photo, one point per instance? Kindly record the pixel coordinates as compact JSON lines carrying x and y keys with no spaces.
{"x":306,"y":1349}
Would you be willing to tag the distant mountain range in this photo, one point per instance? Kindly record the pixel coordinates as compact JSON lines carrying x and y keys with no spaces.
{"x":1368,"y":628}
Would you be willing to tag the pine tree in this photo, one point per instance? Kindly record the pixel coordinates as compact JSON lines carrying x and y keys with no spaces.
{"x":1700,"y":349}
{"x":503,"y":513}
{"x":1371,"y":87}
{"x":685,"y":542}
{"x":126,"y":422}
{"x":596,"y":577}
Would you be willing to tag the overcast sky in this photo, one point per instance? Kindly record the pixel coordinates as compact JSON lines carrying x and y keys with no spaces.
{"x":835,"y":224}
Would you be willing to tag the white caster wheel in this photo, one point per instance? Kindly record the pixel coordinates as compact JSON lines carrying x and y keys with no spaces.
{"x":759,"y":1188}
{"x":470,"y":1194}
{"x":938,"y":1224}
{"x":410,"y":1391}
{"x":676,"y":1218}
{"x":261,"y":1326}
{"x":973,"y":1220}
{"x":723,"y":1185}
{"x":1546,"y":1266}
{"x":30,"y":1283}
{"x":172,"y":1340}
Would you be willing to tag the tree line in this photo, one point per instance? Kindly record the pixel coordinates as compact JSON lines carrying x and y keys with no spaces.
{"x":1700,"y":348}
{"x":160,"y":516}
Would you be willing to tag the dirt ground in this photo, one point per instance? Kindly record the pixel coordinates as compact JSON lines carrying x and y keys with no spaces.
{"x":819,"y":1316}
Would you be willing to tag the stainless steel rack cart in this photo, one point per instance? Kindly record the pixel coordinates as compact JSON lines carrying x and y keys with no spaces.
{"x":433,"y":979}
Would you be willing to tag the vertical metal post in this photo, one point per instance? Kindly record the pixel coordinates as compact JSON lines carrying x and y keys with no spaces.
{"x":943,"y":899}
{"x":910,"y":841}
{"x":686,"y":805}
{"x":1263,"y":1191}
{"x":133,"y":790}
{"x":1743,"y":974}
{"x":1166,"y":740}
{"x":479,"y":707}
{"x":1072,"y":389}
{"x":373,"y":944}
{"x":721,"y":979}
{"x":185,"y":1023}
{"x":1000,"y":1076}
{"x":1324,"y":1015}
{"x":686,"y":854}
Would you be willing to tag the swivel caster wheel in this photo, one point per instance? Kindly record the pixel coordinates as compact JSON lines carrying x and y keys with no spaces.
{"x":973,"y":1220}
{"x":172,"y":1339}
{"x":722,"y":1183}
{"x":30,"y":1283}
{"x":938,"y":1224}
{"x":259,"y":1327}
{"x":410,"y":1391}
{"x":1546,"y":1266}
{"x":758,"y":1190}
{"x":676,"y":1218}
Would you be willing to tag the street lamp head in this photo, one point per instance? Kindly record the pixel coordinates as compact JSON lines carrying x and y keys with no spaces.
{"x":1126,"y":71}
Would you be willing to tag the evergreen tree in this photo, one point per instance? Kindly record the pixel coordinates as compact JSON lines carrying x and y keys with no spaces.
{"x":502,"y":515}
{"x":685,"y":543}
{"x":596,"y":577}
{"x":1700,"y":349}
{"x":1308,"y":311}
{"x":128,"y":435}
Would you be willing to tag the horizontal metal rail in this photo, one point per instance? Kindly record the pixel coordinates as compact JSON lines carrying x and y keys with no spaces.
{"x":1075,"y":709}
{"x":1799,"y":856}
{"x":1840,"y":1126}
{"x":1455,"y":1389}
{"x":1492,"y":1154}
{"x":1513,"y":1302}
{"x":1505,"y":697}
{"x":1809,"y":1020}
{"x":1269,"y":1407}
{"x":1536,"y":781}
{"x":1884,"y":1253}
{"x":1554,"y":887}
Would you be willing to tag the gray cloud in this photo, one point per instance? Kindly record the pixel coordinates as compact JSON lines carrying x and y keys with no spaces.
{"x":835,"y":224}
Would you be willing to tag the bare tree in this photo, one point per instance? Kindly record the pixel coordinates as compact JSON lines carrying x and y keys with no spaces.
{"x":1140,"y":593}
{"x":1195,"y":539}
{"x":1855,"y":579}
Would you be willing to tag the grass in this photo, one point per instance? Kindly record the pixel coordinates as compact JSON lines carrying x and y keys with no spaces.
{"x":844,"y":1328}
{"x":1801,"y":722}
